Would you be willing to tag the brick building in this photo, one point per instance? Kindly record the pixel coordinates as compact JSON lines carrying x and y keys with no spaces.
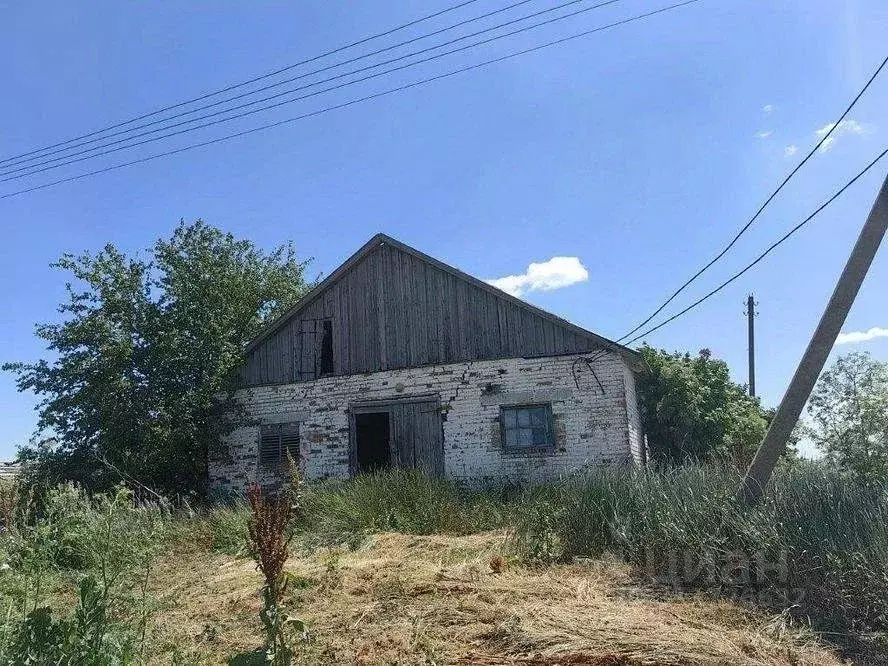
{"x":397,"y":359}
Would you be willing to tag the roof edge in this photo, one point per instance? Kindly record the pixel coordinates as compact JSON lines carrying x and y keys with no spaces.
{"x":273,"y":326}
{"x":630,"y":355}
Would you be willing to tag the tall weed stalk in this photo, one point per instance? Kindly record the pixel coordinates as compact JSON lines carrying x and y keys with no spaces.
{"x":269,"y":546}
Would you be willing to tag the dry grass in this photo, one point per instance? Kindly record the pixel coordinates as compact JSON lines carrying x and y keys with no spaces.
{"x":438,"y":600}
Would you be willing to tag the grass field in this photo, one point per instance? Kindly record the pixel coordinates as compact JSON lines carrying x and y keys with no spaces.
{"x":610,"y":568}
{"x":403,"y":599}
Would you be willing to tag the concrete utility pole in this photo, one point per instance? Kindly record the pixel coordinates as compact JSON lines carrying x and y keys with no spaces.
{"x":750,"y":334}
{"x":818,"y":349}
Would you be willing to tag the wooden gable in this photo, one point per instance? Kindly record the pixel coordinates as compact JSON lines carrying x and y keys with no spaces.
{"x":390,"y":306}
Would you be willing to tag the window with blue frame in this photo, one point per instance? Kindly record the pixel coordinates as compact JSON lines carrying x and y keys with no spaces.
{"x":527,"y":427}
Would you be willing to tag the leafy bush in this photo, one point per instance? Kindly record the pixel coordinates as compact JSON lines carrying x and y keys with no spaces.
{"x":87,"y":637}
{"x":692,"y":411}
{"x":15,"y":502}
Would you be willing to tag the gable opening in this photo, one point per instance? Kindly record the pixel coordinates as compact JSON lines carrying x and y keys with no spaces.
{"x":326,"y":360}
{"x":372,"y":441}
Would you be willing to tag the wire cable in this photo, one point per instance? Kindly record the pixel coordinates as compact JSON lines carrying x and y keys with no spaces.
{"x":262,"y":77}
{"x":64,"y":161}
{"x":390,"y":91}
{"x":751,"y":220}
{"x":10,"y":162}
{"x":764,"y":254}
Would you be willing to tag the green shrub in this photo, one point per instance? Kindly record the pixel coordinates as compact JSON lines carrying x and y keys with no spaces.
{"x":76,"y":531}
{"x":87,"y":637}
{"x":15,"y":504}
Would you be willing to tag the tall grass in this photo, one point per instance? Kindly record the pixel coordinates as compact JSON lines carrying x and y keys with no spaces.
{"x":100,"y":548}
{"x":402,"y":501}
{"x":219,"y":529}
{"x":817,"y":544}
{"x":818,"y":541}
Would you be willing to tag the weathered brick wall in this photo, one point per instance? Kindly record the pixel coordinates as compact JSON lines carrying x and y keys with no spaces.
{"x":595,"y":418}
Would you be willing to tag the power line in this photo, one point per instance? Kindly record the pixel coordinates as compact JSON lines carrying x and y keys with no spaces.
{"x":69,"y":159}
{"x":751,"y":220}
{"x":234,"y":86}
{"x":764,"y":254}
{"x":64,"y":161}
{"x":13,"y":161}
{"x":359,"y":100}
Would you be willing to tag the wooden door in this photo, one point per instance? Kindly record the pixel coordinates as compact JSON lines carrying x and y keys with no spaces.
{"x":416,"y":438}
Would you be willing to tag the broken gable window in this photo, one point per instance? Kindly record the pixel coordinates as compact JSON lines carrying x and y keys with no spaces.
{"x":527,"y":427}
{"x":326,"y":360}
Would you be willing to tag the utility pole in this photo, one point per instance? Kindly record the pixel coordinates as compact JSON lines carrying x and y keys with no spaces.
{"x":818,"y":350}
{"x":750,"y":334}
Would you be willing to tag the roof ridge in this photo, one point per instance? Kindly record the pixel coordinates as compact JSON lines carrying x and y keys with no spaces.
{"x":381,"y":238}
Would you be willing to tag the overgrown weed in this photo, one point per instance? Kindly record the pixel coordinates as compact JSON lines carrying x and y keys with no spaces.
{"x":818,"y":542}
{"x":342,"y":511}
{"x":103,"y":546}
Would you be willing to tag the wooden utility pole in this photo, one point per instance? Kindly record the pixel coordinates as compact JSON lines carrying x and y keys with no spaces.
{"x":750,"y":335}
{"x":818,"y":350}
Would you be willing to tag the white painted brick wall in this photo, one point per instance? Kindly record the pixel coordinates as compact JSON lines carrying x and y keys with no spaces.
{"x":594,"y":424}
{"x":633,"y":418}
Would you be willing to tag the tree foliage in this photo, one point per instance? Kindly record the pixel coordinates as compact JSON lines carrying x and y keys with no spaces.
{"x":849,"y":416}
{"x":140,"y":375}
{"x":692,"y":411}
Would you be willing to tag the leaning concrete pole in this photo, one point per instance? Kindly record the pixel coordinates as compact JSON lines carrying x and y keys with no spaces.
{"x":821,"y":344}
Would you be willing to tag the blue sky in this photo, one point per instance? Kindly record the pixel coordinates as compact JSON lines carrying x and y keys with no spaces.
{"x":638,"y":151}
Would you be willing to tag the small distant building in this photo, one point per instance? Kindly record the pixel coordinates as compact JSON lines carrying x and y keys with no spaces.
{"x":9,"y":470}
{"x":399,"y":360}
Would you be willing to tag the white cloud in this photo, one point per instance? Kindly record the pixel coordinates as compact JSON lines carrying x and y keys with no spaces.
{"x":555,"y":273}
{"x":790,"y":150}
{"x":768,"y":108}
{"x":844,"y":127}
{"x":861,"y":336}
{"x":764,"y":134}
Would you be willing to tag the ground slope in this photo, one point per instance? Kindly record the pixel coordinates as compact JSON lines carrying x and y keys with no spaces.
{"x":403,"y":599}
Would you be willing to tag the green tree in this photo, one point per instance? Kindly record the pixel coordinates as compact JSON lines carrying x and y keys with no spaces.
{"x":849,"y":415}
{"x":141,"y":376}
{"x":692,"y":411}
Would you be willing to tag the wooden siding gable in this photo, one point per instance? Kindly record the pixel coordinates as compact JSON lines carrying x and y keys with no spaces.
{"x":392,"y":306}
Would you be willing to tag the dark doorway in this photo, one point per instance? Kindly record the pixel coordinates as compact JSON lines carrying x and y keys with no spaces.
{"x":405,"y":433}
{"x":372,"y":437}
{"x":327,"y":349}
